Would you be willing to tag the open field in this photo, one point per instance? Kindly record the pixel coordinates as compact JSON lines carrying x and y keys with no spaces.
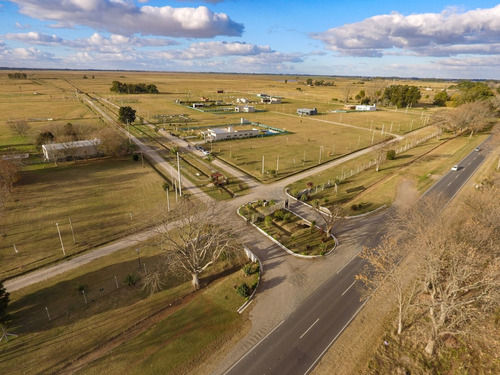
{"x":122,"y":316}
{"x":98,"y":196}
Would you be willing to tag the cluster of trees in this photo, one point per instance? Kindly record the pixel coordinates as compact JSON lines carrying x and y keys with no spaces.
{"x":133,"y":88}
{"x":467,"y":92}
{"x":402,"y":95}
{"x":18,"y":76}
{"x":319,"y":82}
{"x":443,"y":273}
{"x":472,"y":117}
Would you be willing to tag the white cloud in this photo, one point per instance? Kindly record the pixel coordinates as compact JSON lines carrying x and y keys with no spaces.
{"x":211,"y":49}
{"x":428,"y":34}
{"x":23,"y":57}
{"x":96,"y":42}
{"x":34,"y":37}
{"x":125,"y":18}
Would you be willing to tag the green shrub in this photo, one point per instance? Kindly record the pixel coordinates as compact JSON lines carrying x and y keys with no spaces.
{"x":244,"y":290}
{"x":135,"y":157}
{"x":131,"y":279}
{"x":279,"y":214}
{"x":268,"y":221}
{"x":287,"y":217}
{"x":391,"y":154}
{"x":248,"y":269}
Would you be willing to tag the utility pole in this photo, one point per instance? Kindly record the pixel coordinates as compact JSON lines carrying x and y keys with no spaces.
{"x":262,"y":164}
{"x":72,"y":231}
{"x":60,"y":239}
{"x":179,"y":174}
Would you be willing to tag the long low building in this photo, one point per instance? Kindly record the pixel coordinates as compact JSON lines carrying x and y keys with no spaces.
{"x":219,"y":134}
{"x":79,"y":149}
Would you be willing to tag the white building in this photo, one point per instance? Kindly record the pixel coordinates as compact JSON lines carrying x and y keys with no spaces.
{"x":366,"y":107}
{"x":73,"y":150}
{"x":218,"y":134}
{"x":242,"y":100}
{"x":244,"y":108}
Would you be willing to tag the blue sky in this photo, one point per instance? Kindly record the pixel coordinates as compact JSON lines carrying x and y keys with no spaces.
{"x":428,"y":39}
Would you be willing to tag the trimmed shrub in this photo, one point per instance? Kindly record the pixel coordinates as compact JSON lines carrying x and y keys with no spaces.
{"x":391,"y":154}
{"x":244,"y":290}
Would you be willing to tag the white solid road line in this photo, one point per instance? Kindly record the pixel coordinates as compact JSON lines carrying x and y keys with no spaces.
{"x":350,"y":286}
{"x":307,"y":330}
{"x":251,"y":350}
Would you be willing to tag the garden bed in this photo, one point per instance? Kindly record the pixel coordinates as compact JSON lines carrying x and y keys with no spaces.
{"x":296,"y":234}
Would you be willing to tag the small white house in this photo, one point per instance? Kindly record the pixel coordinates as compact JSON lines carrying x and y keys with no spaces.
{"x":78,"y":150}
{"x":275,"y":101}
{"x":366,"y":107}
{"x":307,"y":111}
{"x":242,"y":100}
{"x":218,"y":134}
{"x":244,"y":108}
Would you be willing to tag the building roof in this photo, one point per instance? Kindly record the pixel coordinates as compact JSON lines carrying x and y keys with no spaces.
{"x":76,"y":144}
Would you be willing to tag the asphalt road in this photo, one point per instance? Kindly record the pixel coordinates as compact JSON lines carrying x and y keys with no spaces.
{"x":297,"y":343}
{"x":448,"y":186}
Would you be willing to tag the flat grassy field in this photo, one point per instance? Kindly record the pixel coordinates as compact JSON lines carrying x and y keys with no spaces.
{"x":143,"y":331}
{"x":98,"y":196}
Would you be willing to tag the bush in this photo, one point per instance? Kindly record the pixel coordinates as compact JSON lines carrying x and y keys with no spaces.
{"x":391,"y":154}
{"x":287,"y":217}
{"x":248,"y":269}
{"x":279,"y":214}
{"x":131,"y":279}
{"x":135,"y":157}
{"x":244,"y":290}
{"x":355,"y":207}
{"x":268,"y":221}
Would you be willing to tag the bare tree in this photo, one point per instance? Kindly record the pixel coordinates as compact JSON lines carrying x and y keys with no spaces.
{"x":112,"y":142}
{"x":9,"y":174}
{"x":459,"y":285}
{"x":201,"y":236}
{"x":331,"y":217}
{"x":386,"y":269}
{"x":471,"y":117}
{"x":21,"y":127}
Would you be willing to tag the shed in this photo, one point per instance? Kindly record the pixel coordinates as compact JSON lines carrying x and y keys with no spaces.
{"x":74,"y":150}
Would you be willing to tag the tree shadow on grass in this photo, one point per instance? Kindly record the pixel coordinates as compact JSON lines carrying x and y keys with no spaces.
{"x":92,"y":295}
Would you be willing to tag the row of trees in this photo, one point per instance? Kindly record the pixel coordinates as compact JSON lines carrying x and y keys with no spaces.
{"x":443,"y":273}
{"x":18,"y":75}
{"x":133,"y":88}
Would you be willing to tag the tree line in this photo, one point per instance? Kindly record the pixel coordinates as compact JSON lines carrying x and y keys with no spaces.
{"x":18,"y":75}
{"x":133,"y":88}
{"x":443,"y":272}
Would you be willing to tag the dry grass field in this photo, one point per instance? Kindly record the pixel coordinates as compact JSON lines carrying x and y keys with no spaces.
{"x":98,"y":197}
{"x":107,"y":199}
{"x":91,"y":336}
